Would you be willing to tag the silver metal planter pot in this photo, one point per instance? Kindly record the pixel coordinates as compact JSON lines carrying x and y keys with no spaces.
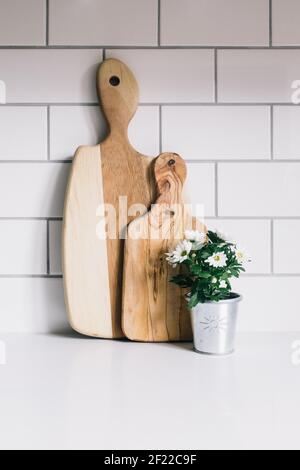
{"x":214,"y":326}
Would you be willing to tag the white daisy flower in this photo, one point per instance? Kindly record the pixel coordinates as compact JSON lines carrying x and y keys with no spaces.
{"x":181,"y":252}
{"x":195,"y":236}
{"x":197,"y":246}
{"x":242,"y":256}
{"x":223,"y":285}
{"x":224,"y":236}
{"x":214,"y":280}
{"x":217,"y":260}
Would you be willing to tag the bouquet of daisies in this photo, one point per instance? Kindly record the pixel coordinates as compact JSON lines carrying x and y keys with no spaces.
{"x":208,"y":261}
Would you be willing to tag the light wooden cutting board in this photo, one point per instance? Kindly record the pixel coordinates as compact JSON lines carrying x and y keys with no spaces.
{"x":93,"y":266}
{"x":153,"y":308}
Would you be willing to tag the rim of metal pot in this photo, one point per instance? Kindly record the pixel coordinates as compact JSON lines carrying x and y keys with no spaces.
{"x":238,"y":298}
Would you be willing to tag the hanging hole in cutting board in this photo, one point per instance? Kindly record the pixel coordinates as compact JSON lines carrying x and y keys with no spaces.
{"x":114,"y":80}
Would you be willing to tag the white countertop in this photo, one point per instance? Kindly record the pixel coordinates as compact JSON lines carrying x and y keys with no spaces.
{"x":67,"y":392}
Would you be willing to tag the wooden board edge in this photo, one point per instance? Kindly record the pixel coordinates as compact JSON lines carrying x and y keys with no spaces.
{"x":100,"y":334}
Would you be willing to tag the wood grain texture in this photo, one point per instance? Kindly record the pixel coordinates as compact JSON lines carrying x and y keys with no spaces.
{"x":85,"y":261}
{"x":154,"y":309}
{"x":125,"y":171}
{"x":101,"y":175}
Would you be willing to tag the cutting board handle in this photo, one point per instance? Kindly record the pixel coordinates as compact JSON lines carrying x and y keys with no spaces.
{"x":118,"y":93}
{"x":170,"y":174}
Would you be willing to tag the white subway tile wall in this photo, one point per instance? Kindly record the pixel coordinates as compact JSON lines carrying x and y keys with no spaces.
{"x":171,"y":76}
{"x":22,"y":23}
{"x":55,"y":244}
{"x":215,"y":86}
{"x":286,"y":234}
{"x":144,"y":130}
{"x":214,"y":23}
{"x":50,"y":75}
{"x":223,"y":132}
{"x":72,"y":126}
{"x":270,"y":303}
{"x":200,"y":188}
{"x":23,"y":247}
{"x":106,"y":22}
{"x":287,"y":132}
{"x":252,"y":235}
{"x":259,"y":189}
{"x":32,"y":189}
{"x":286,"y":17}
{"x":257,"y":76}
{"x":32,"y":305}
{"x":23,"y":133}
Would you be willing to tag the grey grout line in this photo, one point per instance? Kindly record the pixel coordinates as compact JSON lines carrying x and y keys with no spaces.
{"x":245,"y":160}
{"x":160,"y":130}
{"x":41,"y":105}
{"x":159,"y":23}
{"x":30,"y":276}
{"x":270,"y":23}
{"x":35,"y":161}
{"x":104,"y":54}
{"x":50,"y":219}
{"x":60,"y":276}
{"x":216,"y":75}
{"x":221,"y":104}
{"x":270,"y":275}
{"x":154,"y":103}
{"x":189,"y":161}
{"x":272,"y":131}
{"x":48,"y":247}
{"x":209,"y":217}
{"x":252,"y":217}
{"x":154,"y":47}
{"x":216,"y":189}
{"x":272,"y":246}
{"x":48,"y":133}
{"x":47,"y":23}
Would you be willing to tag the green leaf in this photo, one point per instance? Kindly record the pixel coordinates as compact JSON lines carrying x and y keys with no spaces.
{"x":225,"y":276}
{"x":214,"y":237}
{"x":193,"y":301}
{"x":182,"y":280}
{"x":204,"y":275}
{"x":205,"y":254}
{"x":198,"y":271}
{"x":196,"y":274}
